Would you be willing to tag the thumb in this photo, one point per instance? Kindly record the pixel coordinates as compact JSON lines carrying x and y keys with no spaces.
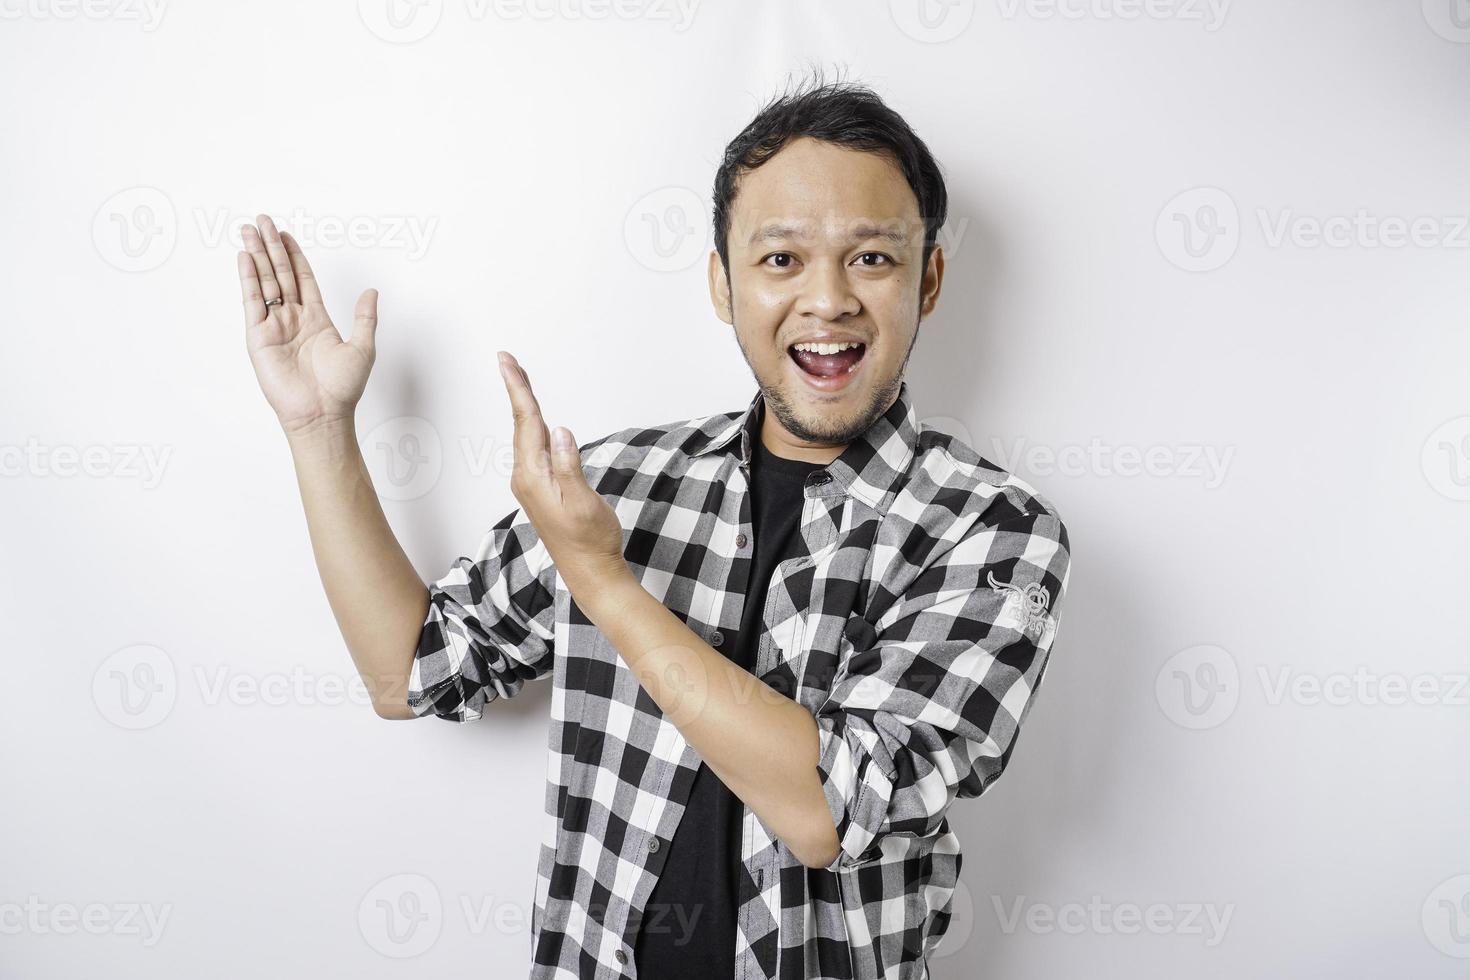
{"x":365,"y":322}
{"x":566,"y":459}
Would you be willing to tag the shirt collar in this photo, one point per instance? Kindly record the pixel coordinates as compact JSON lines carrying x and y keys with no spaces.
{"x":870,"y":468}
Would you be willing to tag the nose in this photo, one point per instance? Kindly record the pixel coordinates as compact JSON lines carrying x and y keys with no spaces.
{"x":825,"y":292}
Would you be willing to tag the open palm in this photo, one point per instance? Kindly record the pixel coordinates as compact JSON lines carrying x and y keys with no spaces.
{"x":309,"y":374}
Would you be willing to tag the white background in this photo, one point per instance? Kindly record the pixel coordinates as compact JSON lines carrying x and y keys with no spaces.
{"x":1256,"y":710}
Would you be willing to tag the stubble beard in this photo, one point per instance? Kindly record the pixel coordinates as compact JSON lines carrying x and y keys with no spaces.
{"x":827,"y":432}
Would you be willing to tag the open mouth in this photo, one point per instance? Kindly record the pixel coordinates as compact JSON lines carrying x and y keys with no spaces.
{"x":827,"y":365}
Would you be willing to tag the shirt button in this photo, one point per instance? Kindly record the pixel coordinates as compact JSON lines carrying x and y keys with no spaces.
{"x":620,"y":956}
{"x":716,"y":638}
{"x":740,"y":540}
{"x":652,"y":845}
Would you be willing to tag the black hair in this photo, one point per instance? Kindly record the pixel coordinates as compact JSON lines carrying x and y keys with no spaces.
{"x":843,"y":113}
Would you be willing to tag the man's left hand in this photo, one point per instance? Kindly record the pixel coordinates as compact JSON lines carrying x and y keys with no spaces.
{"x":580,"y":530}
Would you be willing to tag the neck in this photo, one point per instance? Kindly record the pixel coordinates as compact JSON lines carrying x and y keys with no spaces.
{"x":782,"y":443}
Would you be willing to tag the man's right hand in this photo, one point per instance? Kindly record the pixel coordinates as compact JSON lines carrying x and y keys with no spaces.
{"x":310,"y":375}
{"x":313,"y":380}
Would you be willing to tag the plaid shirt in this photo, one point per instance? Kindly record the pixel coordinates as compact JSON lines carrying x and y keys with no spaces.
{"x":915,"y":627}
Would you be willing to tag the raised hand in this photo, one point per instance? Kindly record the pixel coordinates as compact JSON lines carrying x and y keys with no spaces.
{"x":309,"y":374}
{"x":579,"y":528}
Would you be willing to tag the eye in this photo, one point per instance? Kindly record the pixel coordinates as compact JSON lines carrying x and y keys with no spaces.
{"x":879,"y":255}
{"x":779,"y":255}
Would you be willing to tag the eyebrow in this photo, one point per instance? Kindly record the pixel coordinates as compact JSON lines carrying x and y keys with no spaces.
{"x":860,"y":233}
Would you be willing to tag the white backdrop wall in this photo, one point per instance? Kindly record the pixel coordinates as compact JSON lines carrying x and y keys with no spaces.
{"x":1207,"y":290}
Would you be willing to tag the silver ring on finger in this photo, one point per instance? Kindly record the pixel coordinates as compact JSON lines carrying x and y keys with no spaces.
{"x":274,"y":302}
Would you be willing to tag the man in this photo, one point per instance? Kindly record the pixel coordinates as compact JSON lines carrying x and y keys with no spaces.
{"x":782,"y":640}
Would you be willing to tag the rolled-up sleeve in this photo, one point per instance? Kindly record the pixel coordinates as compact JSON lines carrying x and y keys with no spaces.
{"x":490,"y":625}
{"x":926,"y":705}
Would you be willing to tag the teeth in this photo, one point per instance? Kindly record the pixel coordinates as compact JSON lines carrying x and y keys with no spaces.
{"x":825,"y":348}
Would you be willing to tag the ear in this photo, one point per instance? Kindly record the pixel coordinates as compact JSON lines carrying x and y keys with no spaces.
{"x":719,"y":288}
{"x":933,"y":278}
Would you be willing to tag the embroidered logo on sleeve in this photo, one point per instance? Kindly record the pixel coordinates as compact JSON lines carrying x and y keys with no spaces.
{"x":1029,"y":604}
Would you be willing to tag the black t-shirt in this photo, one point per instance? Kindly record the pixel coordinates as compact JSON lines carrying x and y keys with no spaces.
{"x":688,"y":926}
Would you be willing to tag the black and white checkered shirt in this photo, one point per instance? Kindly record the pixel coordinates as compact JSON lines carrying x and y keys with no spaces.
{"x":915,"y":627}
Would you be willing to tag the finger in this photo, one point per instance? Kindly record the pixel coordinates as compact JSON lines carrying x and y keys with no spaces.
{"x":540,"y":419}
{"x":263,"y":272}
{"x":280,"y":262}
{"x":365,"y":323}
{"x":531,"y":442}
{"x":301,"y":269}
{"x":255,"y":310}
{"x":540,"y":456}
{"x":566,"y":461}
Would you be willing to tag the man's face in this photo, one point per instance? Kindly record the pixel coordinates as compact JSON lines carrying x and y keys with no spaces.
{"x":825,"y":245}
